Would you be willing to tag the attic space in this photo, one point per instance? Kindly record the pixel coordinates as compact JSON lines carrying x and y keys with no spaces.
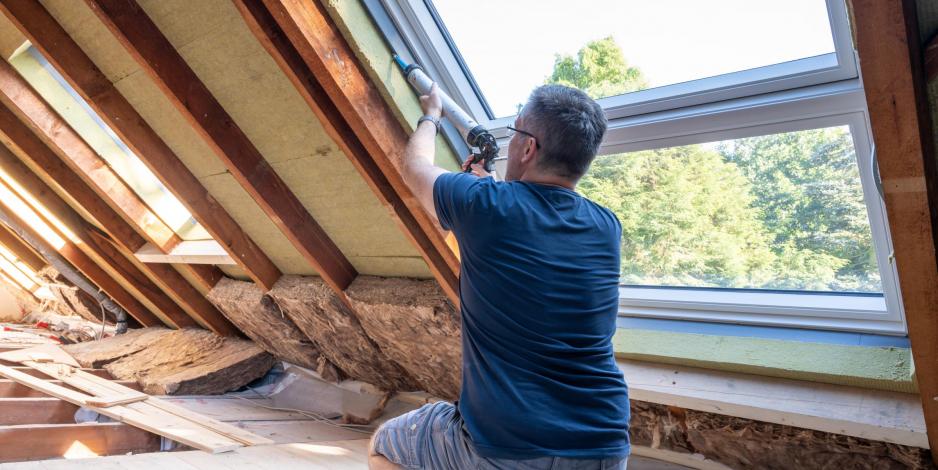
{"x":219,"y":246}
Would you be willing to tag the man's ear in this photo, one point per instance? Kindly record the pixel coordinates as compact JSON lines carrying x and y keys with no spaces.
{"x":529,"y":152}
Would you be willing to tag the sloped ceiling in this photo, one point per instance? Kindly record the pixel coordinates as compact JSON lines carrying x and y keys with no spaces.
{"x":213,"y":39}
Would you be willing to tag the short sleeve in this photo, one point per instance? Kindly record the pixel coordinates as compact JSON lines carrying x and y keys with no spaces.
{"x":453,"y":194}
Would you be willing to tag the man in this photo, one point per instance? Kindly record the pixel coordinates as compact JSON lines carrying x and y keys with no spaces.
{"x":538,"y":298}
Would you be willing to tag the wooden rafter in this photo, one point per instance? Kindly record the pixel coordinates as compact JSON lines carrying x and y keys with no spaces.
{"x":19,"y":138}
{"x":313,"y":54}
{"x":61,"y":50}
{"x":77,"y":258}
{"x":159,"y":59}
{"x":46,"y":123}
{"x":891,"y":64}
{"x":21,"y":249}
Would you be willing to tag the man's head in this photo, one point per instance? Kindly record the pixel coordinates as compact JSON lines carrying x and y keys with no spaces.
{"x":558,"y":134}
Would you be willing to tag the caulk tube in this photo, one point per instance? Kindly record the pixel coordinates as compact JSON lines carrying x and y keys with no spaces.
{"x":468,"y":128}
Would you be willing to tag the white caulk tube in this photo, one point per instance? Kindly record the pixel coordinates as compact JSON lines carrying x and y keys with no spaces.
{"x":474,"y":134}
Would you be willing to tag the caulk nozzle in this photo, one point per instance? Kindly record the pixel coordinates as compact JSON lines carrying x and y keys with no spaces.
{"x":400,"y":62}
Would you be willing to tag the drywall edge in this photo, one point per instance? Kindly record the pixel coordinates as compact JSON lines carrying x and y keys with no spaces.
{"x":883,"y":368}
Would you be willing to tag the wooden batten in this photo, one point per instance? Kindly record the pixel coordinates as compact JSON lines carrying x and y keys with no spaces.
{"x":307,"y":46}
{"x":21,"y":249}
{"x":891,"y":64}
{"x":159,"y":59}
{"x":68,"y":58}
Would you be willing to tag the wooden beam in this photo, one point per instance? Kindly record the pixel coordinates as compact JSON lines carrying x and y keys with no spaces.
{"x":78,"y":69}
{"x":90,"y":244}
{"x":49,"y":441}
{"x":159,"y":59}
{"x":20,"y":139}
{"x":42,"y":410}
{"x":313,"y":54}
{"x":21,"y":249}
{"x":91,"y":270}
{"x":46,"y":123}
{"x":891,"y":64}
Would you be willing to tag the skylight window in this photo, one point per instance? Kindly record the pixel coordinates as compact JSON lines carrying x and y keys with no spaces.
{"x":663,"y":43}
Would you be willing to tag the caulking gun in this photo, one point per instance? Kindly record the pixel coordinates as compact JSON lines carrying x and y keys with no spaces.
{"x":475,"y":135}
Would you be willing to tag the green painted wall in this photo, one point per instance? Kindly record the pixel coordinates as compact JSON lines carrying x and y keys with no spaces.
{"x":871,"y":367}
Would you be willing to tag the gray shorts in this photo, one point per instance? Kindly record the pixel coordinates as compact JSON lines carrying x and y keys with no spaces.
{"x":432,"y":437}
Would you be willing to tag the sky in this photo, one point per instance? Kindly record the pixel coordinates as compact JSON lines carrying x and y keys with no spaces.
{"x":509,"y":45}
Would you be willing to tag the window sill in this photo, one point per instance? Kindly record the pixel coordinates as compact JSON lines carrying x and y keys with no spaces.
{"x":869,"y":414}
{"x":883,"y":368}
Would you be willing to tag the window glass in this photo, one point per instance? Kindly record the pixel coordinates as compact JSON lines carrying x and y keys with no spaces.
{"x":780,"y":212}
{"x":611,"y":47}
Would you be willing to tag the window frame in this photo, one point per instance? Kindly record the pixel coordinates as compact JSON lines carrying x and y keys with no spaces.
{"x":811,"y":93}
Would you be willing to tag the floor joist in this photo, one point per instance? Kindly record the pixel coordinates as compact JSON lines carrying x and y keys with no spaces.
{"x":891,"y":64}
{"x":308,"y":47}
{"x":159,"y":59}
{"x":47,"y":441}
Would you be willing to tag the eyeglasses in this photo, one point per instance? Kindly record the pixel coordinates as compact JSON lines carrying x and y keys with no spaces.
{"x":512,"y":131}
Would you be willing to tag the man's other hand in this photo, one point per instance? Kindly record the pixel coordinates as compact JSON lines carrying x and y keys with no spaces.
{"x":477,"y":168}
{"x":431,"y":104}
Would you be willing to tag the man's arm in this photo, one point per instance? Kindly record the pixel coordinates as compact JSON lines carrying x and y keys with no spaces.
{"x":419,"y":171}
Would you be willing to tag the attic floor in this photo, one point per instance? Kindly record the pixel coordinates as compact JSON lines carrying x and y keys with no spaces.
{"x":301,"y":442}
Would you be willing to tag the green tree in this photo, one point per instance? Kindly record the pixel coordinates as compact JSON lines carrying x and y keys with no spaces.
{"x":599,"y":69}
{"x":783,"y":211}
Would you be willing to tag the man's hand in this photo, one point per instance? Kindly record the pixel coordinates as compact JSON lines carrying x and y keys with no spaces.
{"x":431,"y":104}
{"x":477,"y":168}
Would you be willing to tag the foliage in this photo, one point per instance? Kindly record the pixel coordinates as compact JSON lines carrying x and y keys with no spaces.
{"x":782,"y":211}
{"x":599,"y":69}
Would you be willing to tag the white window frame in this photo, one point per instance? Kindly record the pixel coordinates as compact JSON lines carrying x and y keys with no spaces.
{"x":810,"y":93}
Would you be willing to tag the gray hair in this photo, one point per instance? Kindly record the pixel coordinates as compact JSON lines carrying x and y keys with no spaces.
{"x":569,"y":126}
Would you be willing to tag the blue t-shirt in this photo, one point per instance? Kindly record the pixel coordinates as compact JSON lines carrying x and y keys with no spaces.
{"x":539,"y":296}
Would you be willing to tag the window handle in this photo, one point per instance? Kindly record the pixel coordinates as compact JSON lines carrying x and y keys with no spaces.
{"x":877,"y":179}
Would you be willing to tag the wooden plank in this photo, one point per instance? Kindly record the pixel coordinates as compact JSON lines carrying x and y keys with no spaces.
{"x":891,"y":64}
{"x":17,"y":137}
{"x":35,"y":442}
{"x":53,"y":361}
{"x":89,"y":237}
{"x":102,"y":373}
{"x":865,"y":413}
{"x":313,"y":54}
{"x":189,"y":252}
{"x":163,"y":424}
{"x":84,"y":76}
{"x":21,"y":249}
{"x":45,"y":410}
{"x":156,"y":55}
{"x":13,"y":389}
{"x":71,"y":253}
